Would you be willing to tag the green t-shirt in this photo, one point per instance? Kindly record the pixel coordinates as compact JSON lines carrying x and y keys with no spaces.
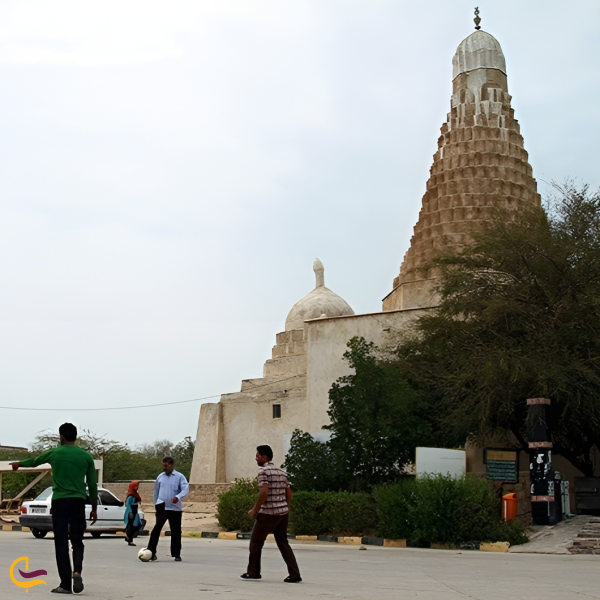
{"x":71,"y":467}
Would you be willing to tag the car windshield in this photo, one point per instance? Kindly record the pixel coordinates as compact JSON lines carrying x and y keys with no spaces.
{"x":45,"y":494}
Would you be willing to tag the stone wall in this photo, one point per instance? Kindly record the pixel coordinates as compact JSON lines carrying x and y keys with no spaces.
{"x":198,"y":493}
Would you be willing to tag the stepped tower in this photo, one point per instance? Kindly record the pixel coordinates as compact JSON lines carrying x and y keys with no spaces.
{"x":480,"y":165}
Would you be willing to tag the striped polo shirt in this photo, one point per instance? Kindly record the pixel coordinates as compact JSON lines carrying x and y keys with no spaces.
{"x":276,"y":479}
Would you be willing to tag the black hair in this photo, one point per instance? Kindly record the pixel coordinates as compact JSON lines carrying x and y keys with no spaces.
{"x":265,"y":451}
{"x":68,"y":431}
{"x":169,"y":459}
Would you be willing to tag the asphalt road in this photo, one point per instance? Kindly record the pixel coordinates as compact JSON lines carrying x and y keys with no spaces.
{"x":211,"y":569}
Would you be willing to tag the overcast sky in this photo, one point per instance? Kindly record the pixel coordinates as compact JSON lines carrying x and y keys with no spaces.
{"x":170,"y":170}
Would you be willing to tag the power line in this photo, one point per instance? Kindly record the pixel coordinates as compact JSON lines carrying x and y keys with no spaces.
{"x":131,"y":407}
{"x":106,"y":408}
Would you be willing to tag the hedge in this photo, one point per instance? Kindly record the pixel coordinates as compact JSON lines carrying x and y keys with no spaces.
{"x":312,"y":513}
{"x":443,"y":509}
{"x":336,"y":513}
{"x":437,"y":509}
{"x":235,"y":504}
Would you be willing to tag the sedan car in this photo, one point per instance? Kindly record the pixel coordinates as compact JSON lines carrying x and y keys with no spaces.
{"x":35,"y":514}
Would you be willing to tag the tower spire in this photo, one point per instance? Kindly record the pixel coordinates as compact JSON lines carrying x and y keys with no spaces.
{"x":477,"y":18}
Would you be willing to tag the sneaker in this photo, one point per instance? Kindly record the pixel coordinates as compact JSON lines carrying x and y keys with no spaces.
{"x":60,"y":590}
{"x":153,"y":558}
{"x":292,"y":580}
{"x":77,"y":584}
{"x":178,"y":559}
{"x":248,"y":576}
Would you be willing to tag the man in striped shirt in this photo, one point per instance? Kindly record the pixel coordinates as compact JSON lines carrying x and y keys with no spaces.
{"x":272,"y":512}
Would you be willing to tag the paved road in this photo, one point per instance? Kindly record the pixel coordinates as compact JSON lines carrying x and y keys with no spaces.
{"x":211,"y":569}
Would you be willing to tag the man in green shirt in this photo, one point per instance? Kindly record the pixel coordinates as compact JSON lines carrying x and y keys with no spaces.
{"x":71,"y":468}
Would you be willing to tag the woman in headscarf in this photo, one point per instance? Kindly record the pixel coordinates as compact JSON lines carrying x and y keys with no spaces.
{"x":133,"y":523}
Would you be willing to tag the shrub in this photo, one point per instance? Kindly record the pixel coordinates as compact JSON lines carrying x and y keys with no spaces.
{"x":235,"y":504}
{"x":443,"y":509}
{"x":337,"y":513}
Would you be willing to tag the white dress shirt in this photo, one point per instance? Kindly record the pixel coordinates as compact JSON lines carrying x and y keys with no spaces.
{"x":168,"y":487}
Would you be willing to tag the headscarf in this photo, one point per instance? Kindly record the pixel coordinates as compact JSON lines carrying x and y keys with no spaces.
{"x":133,"y":490}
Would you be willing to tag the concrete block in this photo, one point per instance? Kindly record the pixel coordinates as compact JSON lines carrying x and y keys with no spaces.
{"x":494,"y":546}
{"x":435,"y":546}
{"x":227,"y":535}
{"x":307,"y":538}
{"x":350,"y":540}
{"x":372,"y":541}
{"x":210,"y":534}
{"x":394,"y":543}
{"x":327,"y":538}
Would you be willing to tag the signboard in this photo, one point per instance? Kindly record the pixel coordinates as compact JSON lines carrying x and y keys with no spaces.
{"x":434,"y":461}
{"x":502,"y":465}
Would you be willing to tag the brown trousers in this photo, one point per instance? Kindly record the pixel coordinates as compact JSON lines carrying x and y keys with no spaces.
{"x":277,"y":525}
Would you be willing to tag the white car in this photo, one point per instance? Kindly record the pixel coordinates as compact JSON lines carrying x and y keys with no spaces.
{"x":35,"y":514}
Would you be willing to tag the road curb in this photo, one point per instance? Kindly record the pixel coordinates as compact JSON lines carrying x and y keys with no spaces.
{"x":348,"y":540}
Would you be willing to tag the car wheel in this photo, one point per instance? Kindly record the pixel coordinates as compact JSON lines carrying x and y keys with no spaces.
{"x":38,"y":533}
{"x":96,"y":534}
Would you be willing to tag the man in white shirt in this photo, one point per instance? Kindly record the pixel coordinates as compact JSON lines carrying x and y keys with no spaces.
{"x":170,"y":488}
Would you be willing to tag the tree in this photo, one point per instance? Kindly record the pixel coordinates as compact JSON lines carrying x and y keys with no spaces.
{"x":377,"y":418}
{"x":122,"y":462}
{"x":519,"y":317}
{"x":311,"y":465}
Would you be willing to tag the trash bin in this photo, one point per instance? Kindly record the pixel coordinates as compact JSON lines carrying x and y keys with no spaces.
{"x":510,"y":506}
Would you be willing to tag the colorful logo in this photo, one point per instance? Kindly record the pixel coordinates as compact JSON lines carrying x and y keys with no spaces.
{"x":26,"y":575}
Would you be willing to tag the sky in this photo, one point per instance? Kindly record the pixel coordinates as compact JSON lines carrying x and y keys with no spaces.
{"x":169,"y":171}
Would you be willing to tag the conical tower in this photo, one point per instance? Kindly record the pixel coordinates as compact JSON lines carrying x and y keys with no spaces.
{"x":480,"y":165}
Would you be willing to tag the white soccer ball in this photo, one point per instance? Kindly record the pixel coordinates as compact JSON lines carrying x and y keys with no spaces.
{"x":144,"y":555}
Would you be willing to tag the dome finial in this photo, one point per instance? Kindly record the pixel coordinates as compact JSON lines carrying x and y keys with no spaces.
{"x":477,"y":19}
{"x":319,"y":270}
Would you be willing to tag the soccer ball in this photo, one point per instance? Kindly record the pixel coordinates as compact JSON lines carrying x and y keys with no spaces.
{"x":144,"y":555}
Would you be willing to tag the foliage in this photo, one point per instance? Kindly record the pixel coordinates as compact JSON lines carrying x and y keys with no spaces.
{"x":235,"y":504}
{"x":377,"y":418}
{"x":425,"y":510}
{"x":443,"y":509}
{"x":311,"y":465}
{"x":519,"y":317}
{"x":13,"y":483}
{"x":337,"y":513}
{"x":122,"y":463}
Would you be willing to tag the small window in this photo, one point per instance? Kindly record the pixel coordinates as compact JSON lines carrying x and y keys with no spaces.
{"x":277,"y":411}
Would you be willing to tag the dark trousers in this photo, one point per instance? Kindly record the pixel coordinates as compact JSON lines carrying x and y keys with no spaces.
{"x":68,"y":523}
{"x":174,"y":518}
{"x":277,"y":525}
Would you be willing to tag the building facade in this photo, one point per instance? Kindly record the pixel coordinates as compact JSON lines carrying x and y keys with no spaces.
{"x":480,"y":165}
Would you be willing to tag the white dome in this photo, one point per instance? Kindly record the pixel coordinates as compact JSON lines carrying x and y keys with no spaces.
{"x":321,"y":302}
{"x":478,"y":51}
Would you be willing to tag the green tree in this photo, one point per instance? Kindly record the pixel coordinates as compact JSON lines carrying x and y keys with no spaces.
{"x":122,"y":462}
{"x":377,"y":418}
{"x":13,"y":483}
{"x":311,"y":465}
{"x":519,"y":317}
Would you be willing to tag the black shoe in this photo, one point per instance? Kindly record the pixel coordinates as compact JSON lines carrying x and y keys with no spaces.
{"x":77,"y":584}
{"x":178,"y":559}
{"x":292,"y":580}
{"x":248,"y":576}
{"x":60,"y":590}
{"x":153,"y":558}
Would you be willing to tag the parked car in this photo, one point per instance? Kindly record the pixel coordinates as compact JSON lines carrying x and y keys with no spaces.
{"x":35,"y":514}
